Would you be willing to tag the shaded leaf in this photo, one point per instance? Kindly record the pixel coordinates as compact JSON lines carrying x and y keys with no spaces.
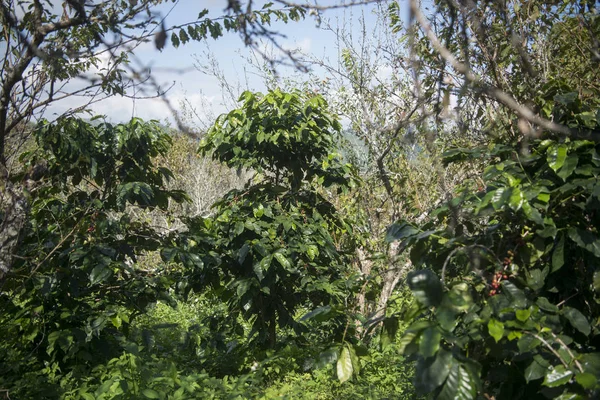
{"x":460,"y":385}
{"x":432,"y":372}
{"x":535,"y":371}
{"x":426,"y":287}
{"x":400,"y":231}
{"x":586,"y":240}
{"x":430,"y":342}
{"x":558,"y":255}
{"x":577,"y":320}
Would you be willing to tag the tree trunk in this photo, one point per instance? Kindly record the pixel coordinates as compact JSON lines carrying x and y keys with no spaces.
{"x":13,"y":214}
{"x":391,"y":277}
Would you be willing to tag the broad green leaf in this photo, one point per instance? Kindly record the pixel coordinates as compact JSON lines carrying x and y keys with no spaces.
{"x":577,"y":320}
{"x":389,"y":331}
{"x":238,"y":228}
{"x":328,"y":356}
{"x":516,"y":295}
{"x":354,"y":359}
{"x":430,"y":342}
{"x":151,"y":394}
{"x":568,"y":167}
{"x":258,"y":271}
{"x":432,"y":372}
{"x":558,"y":255}
{"x":285,"y":263}
{"x":545,"y":305}
{"x":447,"y":317}
{"x":405,"y":341}
{"x":426,"y":287}
{"x":558,"y":376}
{"x":460,"y":297}
{"x":501,"y":196}
{"x":312,"y":251}
{"x":259,"y":211}
{"x":556,"y":156}
{"x":516,"y":199}
{"x":532,"y":213}
{"x":536,"y":370}
{"x":587,"y":380}
{"x":496,"y":329}
{"x":527,"y":343}
{"x":344,"y":365}
{"x":585,"y":240}
{"x":319,"y":314}
{"x":523,"y":315}
{"x":100,"y":273}
{"x":536,"y":278}
{"x":242,"y":253}
{"x":400,"y":231}
{"x":460,"y":385}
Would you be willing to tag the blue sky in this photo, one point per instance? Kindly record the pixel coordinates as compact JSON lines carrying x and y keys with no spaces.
{"x":203,"y":91}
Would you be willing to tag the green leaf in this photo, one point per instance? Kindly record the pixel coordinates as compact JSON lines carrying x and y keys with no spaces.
{"x":389,"y":331}
{"x":400,"y":231}
{"x":175,"y":40}
{"x":259,"y":211}
{"x":151,"y":394}
{"x":501,"y":195}
{"x":426,"y":287}
{"x":585,"y":240}
{"x":285,"y":263}
{"x":242,"y":253}
{"x":344,"y":365}
{"x":568,"y":167}
{"x":587,"y":380}
{"x":527,"y":343}
{"x":515,"y":294}
{"x":577,"y":320}
{"x":535,"y":371}
{"x":523,"y":315}
{"x":597,"y":281}
{"x":532,"y":213}
{"x":432,"y":372}
{"x":516,"y":199}
{"x":496,"y":329}
{"x":238,"y":228}
{"x":556,"y":156}
{"x":557,"y":376}
{"x":558,"y":255}
{"x":319,"y":314}
{"x":100,"y":273}
{"x":312,"y":251}
{"x":460,"y":385}
{"x":430,"y":342}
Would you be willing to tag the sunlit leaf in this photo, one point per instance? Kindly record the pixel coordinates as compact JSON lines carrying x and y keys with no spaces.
{"x":344,"y":365}
{"x":558,"y":376}
{"x":496,"y":329}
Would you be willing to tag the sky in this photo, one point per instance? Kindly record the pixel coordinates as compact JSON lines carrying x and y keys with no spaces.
{"x":238,"y":65}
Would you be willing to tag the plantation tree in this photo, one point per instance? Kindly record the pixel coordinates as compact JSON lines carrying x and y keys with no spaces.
{"x":47,"y":46}
{"x":276,"y":246}
{"x":506,"y":289}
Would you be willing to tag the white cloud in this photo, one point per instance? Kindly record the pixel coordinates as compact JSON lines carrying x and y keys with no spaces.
{"x":303,"y":45}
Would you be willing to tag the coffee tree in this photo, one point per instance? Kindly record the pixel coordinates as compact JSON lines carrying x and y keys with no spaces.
{"x":276,"y":246}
